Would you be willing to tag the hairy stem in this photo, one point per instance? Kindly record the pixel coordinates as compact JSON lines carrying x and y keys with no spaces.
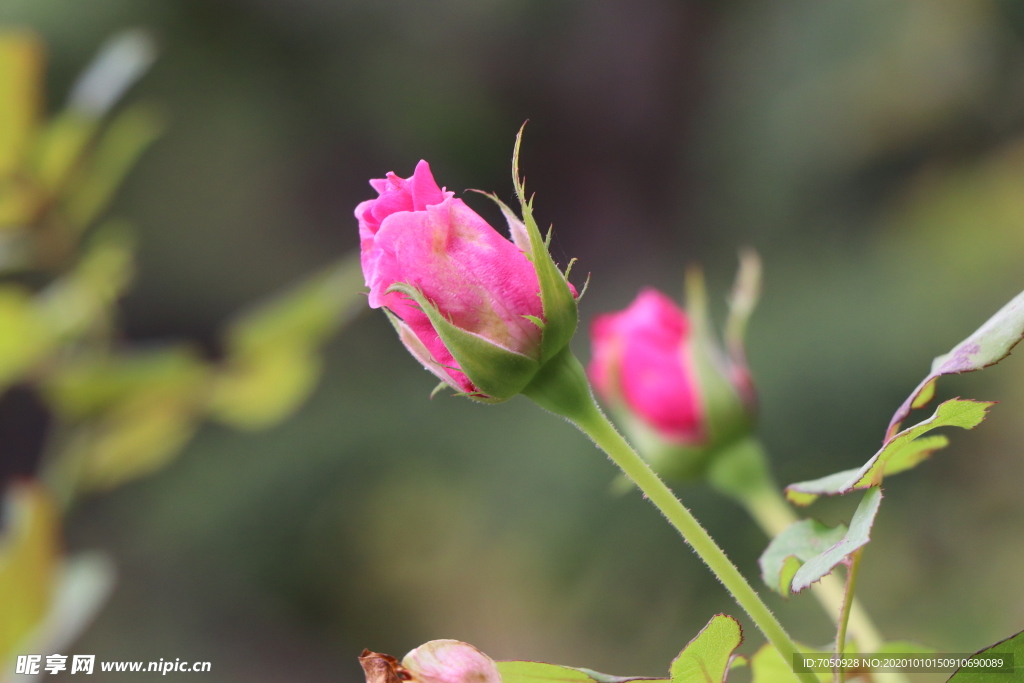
{"x":771,"y":512}
{"x":844,"y":615}
{"x":743,"y":476}
{"x":562,"y":388}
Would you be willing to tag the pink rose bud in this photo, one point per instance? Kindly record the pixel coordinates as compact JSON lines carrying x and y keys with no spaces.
{"x":675,"y":392}
{"x":450,"y":661}
{"x":479,"y":311}
{"x":438,"y":661}
{"x":642,"y":361}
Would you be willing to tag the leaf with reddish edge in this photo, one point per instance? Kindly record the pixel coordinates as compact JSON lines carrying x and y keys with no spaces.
{"x":856,"y":537}
{"x":799,"y":542}
{"x":988,"y":345}
{"x":706,"y":658}
{"x":899,"y":453}
{"x":1013,"y":646}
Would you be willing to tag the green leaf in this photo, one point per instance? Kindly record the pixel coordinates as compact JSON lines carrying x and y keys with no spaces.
{"x":798,"y":543}
{"x":706,"y":658}
{"x":769,"y":666}
{"x":497,"y":372}
{"x":539,"y":672}
{"x":21,"y":66}
{"x":1013,"y":645}
{"x":986,"y":346}
{"x":608,"y":678}
{"x":899,"y":453}
{"x":856,"y":537}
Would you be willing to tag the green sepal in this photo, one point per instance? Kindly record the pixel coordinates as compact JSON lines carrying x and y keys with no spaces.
{"x":561,"y":387}
{"x":726,"y":416}
{"x":536,"y":321}
{"x":497,"y":372}
{"x":561,"y":315}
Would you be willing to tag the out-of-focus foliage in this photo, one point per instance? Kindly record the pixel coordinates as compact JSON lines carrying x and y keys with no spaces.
{"x":47,"y":599}
{"x":870,"y":151}
{"x":119,"y":411}
{"x":29,"y":551}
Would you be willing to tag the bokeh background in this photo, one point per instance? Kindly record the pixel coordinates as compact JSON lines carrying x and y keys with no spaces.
{"x":872,"y":151}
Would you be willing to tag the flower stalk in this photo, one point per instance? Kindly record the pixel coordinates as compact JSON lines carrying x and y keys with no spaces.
{"x":561,"y":387}
{"x":742,"y":474}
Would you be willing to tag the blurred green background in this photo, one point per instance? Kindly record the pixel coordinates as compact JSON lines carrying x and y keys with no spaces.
{"x":872,"y":151}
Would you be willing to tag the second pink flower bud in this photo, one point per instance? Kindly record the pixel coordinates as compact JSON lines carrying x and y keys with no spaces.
{"x":677,"y":393}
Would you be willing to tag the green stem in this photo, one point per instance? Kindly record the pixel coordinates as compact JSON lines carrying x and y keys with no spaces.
{"x":844,"y":615}
{"x":742,"y":474}
{"x":562,"y":388}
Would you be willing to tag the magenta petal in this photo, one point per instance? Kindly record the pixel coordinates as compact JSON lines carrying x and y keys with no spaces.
{"x":640,"y":359}
{"x":425,"y":191}
{"x":417,"y":234}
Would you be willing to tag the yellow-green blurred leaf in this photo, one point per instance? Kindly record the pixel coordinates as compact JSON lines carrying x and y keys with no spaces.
{"x":86,"y":386}
{"x":129,"y":413}
{"x":24,"y":337}
{"x":60,"y":147}
{"x":85,"y":297}
{"x":264,"y":386}
{"x":28,"y":554}
{"x":307,"y":313}
{"x":139,"y":437}
{"x":21,"y":63}
{"x":273,"y":355}
{"x":118,"y":148}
